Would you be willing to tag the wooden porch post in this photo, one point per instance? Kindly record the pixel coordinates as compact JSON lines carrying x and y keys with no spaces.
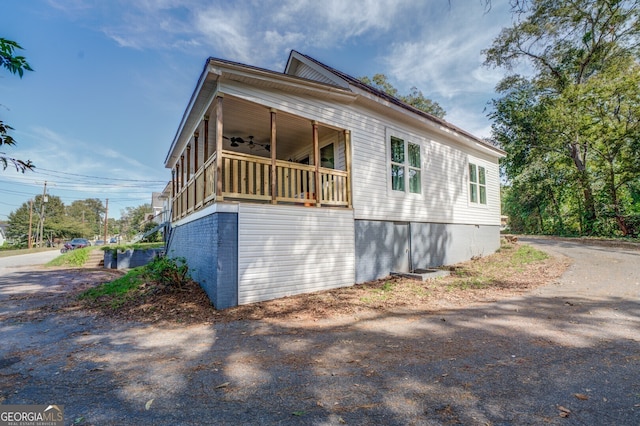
{"x":173,"y":182}
{"x":172,"y":204}
{"x":206,"y":156}
{"x":188,"y":163}
{"x":218,"y":107}
{"x":180,"y":201}
{"x":188,"y":172}
{"x":182,"y":170}
{"x":316,"y":160}
{"x":274,"y":167}
{"x":195,"y":154}
{"x":206,"y":138}
{"x":347,"y":154}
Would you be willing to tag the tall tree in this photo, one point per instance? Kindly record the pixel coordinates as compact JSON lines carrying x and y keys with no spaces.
{"x":53,"y":216}
{"x":570,"y":45}
{"x":15,"y":64}
{"x":83,"y":218}
{"x":133,"y":219}
{"x":89,"y":213}
{"x":415,"y":98}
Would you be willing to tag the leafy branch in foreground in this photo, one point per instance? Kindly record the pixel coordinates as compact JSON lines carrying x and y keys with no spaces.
{"x":15,"y":64}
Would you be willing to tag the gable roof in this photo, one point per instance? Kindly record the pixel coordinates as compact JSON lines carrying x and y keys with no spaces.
{"x":302,"y":74}
{"x":313,"y":68}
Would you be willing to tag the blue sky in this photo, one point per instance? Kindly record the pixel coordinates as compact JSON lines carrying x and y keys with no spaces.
{"x":112,"y":78}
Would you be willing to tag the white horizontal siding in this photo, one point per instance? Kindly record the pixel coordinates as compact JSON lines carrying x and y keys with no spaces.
{"x":307,"y":72}
{"x":444,"y":197}
{"x":285,"y":250}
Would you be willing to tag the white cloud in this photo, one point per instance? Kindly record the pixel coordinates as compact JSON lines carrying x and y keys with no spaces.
{"x":446,"y":59}
{"x":244,"y":30}
{"x":228,"y":30}
{"x":53,"y":151}
{"x":339,"y":20}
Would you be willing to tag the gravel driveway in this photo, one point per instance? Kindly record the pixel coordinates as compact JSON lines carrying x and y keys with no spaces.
{"x":564,"y":354}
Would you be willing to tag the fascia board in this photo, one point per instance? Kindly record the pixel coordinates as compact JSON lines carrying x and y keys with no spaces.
{"x":381,"y":105}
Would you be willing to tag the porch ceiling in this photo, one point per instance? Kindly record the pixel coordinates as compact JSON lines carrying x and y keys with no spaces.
{"x":242,"y":118}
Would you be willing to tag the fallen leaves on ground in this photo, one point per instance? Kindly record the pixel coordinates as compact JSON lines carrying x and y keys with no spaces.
{"x":476,"y":281}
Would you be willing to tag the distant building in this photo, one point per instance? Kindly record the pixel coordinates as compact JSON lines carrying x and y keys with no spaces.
{"x":157,"y":207}
{"x":3,"y":237}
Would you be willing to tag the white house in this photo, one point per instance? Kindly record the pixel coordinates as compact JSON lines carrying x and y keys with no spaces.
{"x":284,"y":183}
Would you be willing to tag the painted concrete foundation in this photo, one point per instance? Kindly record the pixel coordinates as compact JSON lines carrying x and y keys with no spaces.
{"x":209,"y":244}
{"x":244,"y":254}
{"x":383,"y":247}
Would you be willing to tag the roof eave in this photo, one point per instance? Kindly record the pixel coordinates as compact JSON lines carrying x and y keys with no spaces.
{"x":202,"y":80}
{"x":386,"y":99}
{"x":216,"y":70}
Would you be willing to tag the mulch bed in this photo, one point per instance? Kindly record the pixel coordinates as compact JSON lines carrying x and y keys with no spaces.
{"x":191,"y":305}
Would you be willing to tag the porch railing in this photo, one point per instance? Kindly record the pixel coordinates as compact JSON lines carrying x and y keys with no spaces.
{"x":248,"y":178}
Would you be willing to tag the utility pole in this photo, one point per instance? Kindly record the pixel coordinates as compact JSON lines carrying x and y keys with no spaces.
{"x":106,"y":220}
{"x":44,"y":200}
{"x":29,"y":244}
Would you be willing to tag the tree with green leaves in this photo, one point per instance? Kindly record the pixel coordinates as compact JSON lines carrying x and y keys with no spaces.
{"x":54,"y":219}
{"x":132,"y":219}
{"x":89,"y":213}
{"x":83,"y":218}
{"x":575,"y":117}
{"x":15,"y":64}
{"x":415,"y":98}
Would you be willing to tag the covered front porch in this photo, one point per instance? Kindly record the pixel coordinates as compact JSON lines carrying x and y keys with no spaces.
{"x":245,"y":151}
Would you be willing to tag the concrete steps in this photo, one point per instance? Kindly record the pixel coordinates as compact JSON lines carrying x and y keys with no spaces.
{"x":96,"y":259}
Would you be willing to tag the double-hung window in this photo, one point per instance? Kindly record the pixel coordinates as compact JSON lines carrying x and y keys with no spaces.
{"x":406,"y":166}
{"x":477,"y":184}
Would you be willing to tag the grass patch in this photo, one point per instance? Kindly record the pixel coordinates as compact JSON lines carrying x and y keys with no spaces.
{"x":526,"y":254}
{"x":502,"y":270}
{"x":468,"y":283}
{"x":118,"y":291}
{"x":505,"y":266}
{"x":160,"y":275}
{"x":379,"y":294}
{"x":77,"y":257}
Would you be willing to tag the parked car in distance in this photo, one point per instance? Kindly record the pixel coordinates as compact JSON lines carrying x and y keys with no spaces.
{"x":79,"y":243}
{"x":76,"y":243}
{"x":113,"y":240}
{"x":99,"y":243}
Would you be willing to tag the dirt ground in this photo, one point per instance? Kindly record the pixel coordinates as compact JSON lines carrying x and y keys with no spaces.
{"x":190,"y":305}
{"x":535,"y":346}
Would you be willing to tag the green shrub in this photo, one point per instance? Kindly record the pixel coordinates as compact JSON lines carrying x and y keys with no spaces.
{"x":169,"y":272}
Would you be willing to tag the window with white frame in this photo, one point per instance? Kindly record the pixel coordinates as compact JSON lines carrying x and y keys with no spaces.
{"x":406,"y":166}
{"x":477,"y":184}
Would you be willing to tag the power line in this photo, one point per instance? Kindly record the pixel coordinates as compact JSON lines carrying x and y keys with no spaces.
{"x":100,"y":177}
{"x":82,"y":187}
{"x":68,"y":182}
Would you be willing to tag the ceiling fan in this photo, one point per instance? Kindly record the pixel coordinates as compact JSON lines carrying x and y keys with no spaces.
{"x":235,"y":140}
